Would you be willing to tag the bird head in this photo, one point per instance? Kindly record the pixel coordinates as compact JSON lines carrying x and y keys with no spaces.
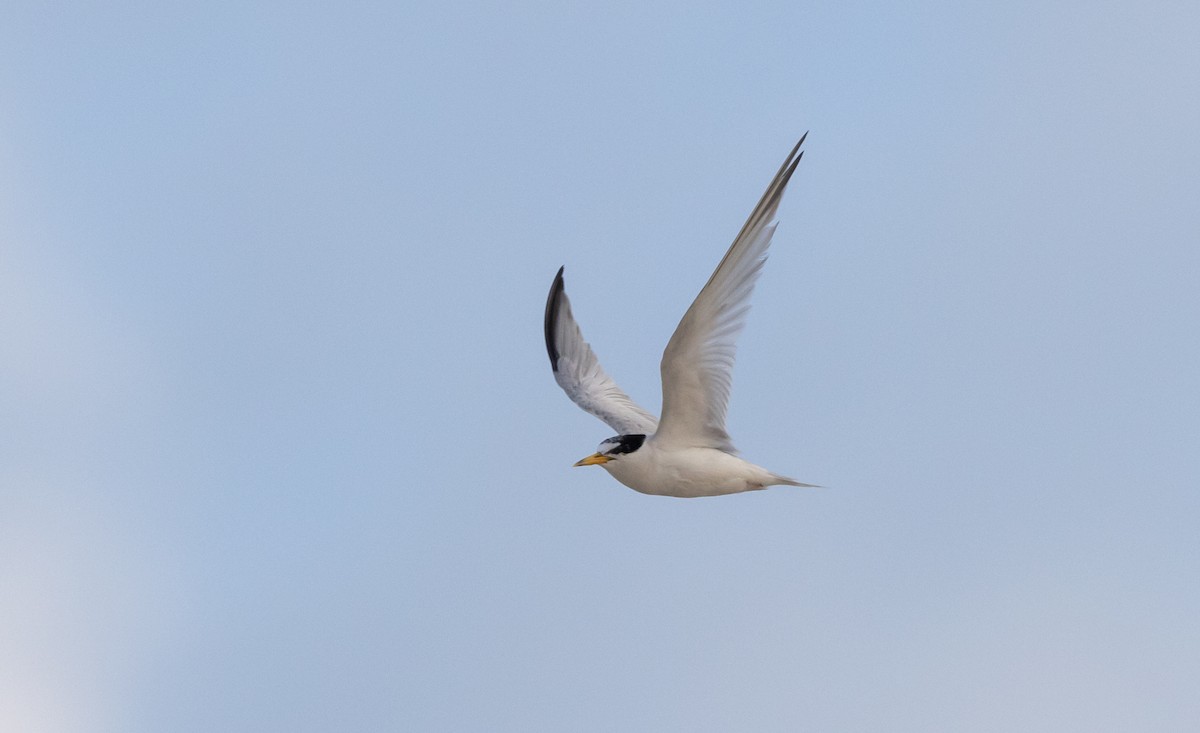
{"x":613,"y":449}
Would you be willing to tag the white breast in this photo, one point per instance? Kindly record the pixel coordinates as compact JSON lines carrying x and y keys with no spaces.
{"x":689,"y":472}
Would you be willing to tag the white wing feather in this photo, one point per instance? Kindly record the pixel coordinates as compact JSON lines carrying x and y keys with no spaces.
{"x":697,"y":365}
{"x":578,"y":371}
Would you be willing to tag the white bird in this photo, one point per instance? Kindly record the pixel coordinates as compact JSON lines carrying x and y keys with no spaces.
{"x":687,"y":453}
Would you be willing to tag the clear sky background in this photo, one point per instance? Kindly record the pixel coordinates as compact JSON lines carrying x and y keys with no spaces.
{"x":280,"y":449}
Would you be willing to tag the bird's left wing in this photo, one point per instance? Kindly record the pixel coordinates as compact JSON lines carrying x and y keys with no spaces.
{"x":697,"y":365}
{"x":578,"y":371}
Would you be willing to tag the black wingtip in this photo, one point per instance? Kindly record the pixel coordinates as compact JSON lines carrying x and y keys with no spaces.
{"x":796,"y":151}
{"x":552,"y":305}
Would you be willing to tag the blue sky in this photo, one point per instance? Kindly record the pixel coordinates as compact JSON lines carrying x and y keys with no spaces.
{"x":280,"y":448}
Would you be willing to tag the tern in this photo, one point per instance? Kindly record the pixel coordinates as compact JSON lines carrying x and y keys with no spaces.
{"x":686,"y":453}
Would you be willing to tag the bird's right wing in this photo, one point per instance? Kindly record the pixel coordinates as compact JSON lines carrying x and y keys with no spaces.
{"x":579,"y":373}
{"x":697,"y":365}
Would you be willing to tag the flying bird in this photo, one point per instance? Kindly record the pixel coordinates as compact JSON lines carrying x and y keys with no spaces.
{"x":686,"y":453}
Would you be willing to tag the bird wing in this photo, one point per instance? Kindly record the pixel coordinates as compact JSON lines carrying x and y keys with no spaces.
{"x":697,"y":365}
{"x":579,"y":373}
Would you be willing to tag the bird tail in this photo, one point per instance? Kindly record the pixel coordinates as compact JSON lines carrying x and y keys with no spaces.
{"x":785,"y":481}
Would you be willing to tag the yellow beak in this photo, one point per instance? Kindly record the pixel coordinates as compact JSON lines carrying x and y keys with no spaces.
{"x":594,"y":459}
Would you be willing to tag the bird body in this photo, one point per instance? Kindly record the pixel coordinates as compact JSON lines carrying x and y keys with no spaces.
{"x":687,"y":453}
{"x":690,"y":472}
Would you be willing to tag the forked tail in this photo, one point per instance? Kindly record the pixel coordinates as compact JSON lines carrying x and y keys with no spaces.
{"x":785,"y":481}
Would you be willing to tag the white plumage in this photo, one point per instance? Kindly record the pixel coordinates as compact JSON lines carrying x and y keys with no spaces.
{"x":687,"y":453}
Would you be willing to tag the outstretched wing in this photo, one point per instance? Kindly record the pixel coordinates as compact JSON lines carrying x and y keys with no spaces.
{"x":579,"y":373}
{"x":697,"y":365}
